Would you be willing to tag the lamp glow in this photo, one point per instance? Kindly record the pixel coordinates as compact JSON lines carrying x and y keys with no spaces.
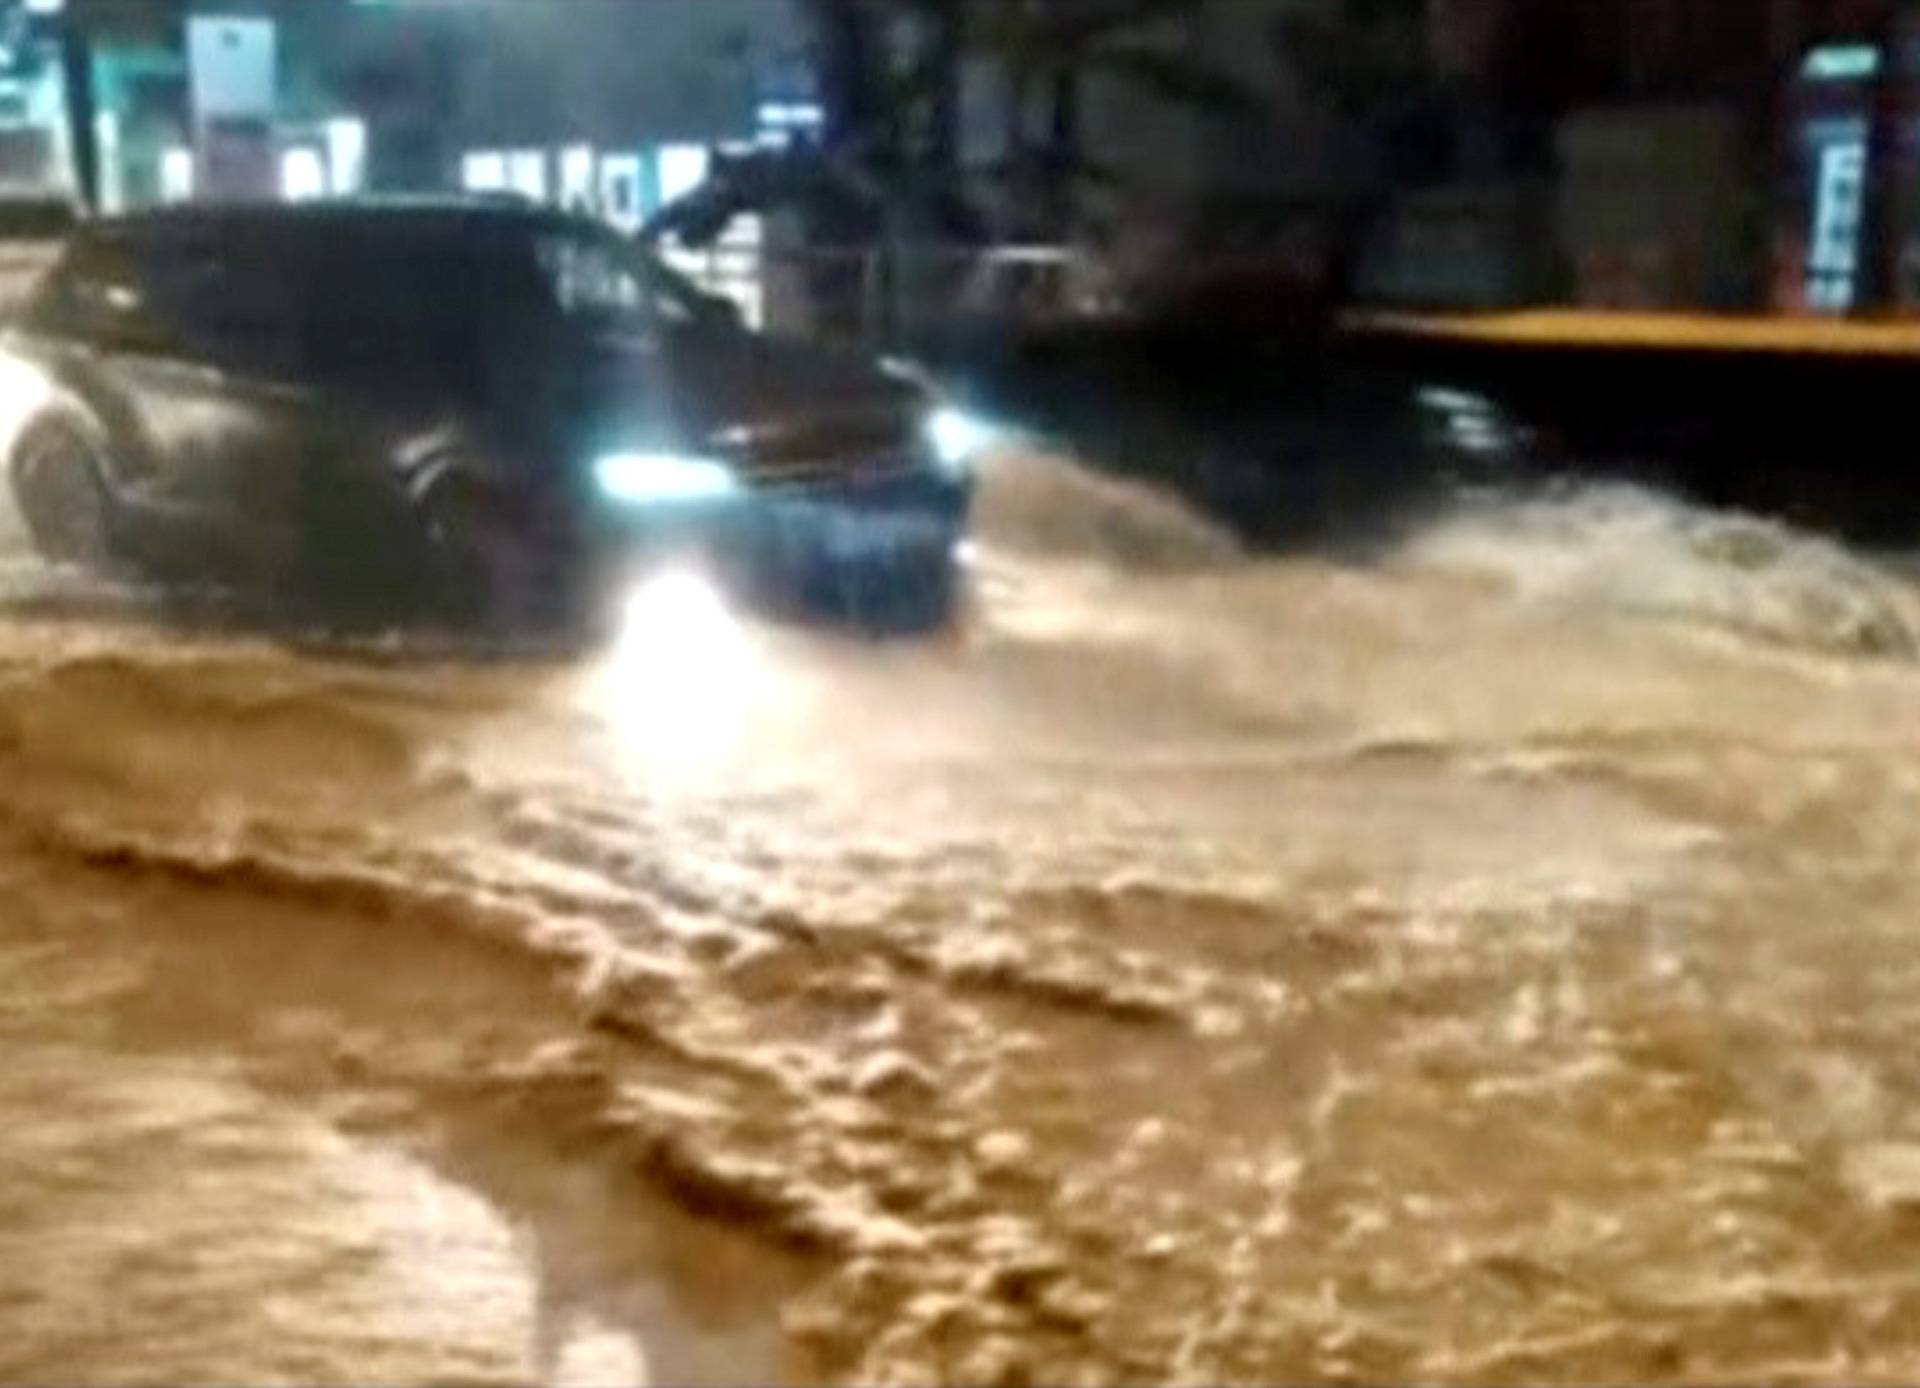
{"x":639,"y":478}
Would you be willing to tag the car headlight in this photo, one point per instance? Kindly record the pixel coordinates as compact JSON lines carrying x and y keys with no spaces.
{"x":957,"y":437}
{"x":639,"y":478}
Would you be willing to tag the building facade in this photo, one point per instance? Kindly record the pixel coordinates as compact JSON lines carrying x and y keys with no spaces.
{"x":599,"y":104}
{"x":1724,"y":153}
{"x":1691,"y":153}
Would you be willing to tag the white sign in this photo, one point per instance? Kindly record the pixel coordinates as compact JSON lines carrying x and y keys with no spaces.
{"x":232,"y":62}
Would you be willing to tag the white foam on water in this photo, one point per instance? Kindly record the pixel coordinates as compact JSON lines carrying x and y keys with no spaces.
{"x":1628,"y":549}
{"x":1592,"y":547}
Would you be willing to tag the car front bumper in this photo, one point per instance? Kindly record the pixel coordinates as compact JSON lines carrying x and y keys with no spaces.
{"x":789,"y":533}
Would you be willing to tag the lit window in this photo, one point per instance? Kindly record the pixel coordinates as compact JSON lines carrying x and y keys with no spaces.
{"x":484,"y":171}
{"x":346,"y":155}
{"x":1841,"y":62}
{"x":576,"y":178}
{"x":527,"y":173}
{"x":620,"y":190}
{"x":798,"y":115}
{"x":1839,"y":202}
{"x":683,"y":168}
{"x":176,"y":174}
{"x":303,"y":175}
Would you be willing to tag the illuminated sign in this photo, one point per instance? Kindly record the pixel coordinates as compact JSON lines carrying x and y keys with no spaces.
{"x":232,"y":63}
{"x":1841,"y":62}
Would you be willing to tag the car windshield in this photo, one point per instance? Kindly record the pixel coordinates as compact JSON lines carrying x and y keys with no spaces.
{"x":601,"y":281}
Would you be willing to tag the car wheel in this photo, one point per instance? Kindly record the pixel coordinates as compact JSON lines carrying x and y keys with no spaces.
{"x":487,"y":568}
{"x":58,"y":484}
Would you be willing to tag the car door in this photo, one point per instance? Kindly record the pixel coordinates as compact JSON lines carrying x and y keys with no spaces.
{"x":390,"y":352}
{"x":230,"y":402}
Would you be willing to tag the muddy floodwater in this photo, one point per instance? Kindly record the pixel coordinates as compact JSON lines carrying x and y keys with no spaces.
{"x":1491,"y":961}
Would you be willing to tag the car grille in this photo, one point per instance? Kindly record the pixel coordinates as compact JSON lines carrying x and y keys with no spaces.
{"x":819,"y":448}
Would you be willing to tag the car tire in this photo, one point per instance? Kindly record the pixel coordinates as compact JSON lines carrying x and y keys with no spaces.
{"x":487,"y":569}
{"x":60,"y":488}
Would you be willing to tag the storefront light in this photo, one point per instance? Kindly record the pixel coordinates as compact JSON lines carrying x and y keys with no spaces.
{"x":176,"y":174}
{"x":620,"y":190}
{"x":683,"y":168}
{"x":346,"y":155}
{"x":795,"y":115}
{"x":527,"y":173}
{"x":302,"y":175}
{"x":484,"y":171}
{"x":576,"y":177}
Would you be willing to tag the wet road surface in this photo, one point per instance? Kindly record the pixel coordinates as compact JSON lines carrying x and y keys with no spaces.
{"x":1489,"y":963}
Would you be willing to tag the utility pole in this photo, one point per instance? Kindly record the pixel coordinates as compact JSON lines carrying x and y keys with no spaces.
{"x":81,"y":27}
{"x":76,"y":72}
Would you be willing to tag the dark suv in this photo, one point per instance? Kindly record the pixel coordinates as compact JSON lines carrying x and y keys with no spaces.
{"x":487,"y":405}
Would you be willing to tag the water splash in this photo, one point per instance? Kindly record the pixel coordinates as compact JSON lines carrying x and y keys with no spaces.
{"x":1623,"y":548}
{"x":1046,"y":506}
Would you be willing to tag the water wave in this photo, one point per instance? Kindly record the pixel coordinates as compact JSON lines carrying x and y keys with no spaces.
{"x":1629,"y":549}
{"x":1176,"y":993}
{"x":1593,"y":546}
{"x":1045,"y":505}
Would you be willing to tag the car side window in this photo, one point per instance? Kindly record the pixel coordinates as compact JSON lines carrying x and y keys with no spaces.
{"x":591,"y":280}
{"x":586,"y":281}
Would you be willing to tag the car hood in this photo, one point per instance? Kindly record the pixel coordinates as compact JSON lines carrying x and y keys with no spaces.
{"x":770,"y":405}
{"x":749,"y":379}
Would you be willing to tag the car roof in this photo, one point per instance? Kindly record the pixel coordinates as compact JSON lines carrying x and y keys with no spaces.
{"x":438,"y":214}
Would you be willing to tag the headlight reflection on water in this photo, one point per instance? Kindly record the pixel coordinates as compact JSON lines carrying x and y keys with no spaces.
{"x":684,"y":675}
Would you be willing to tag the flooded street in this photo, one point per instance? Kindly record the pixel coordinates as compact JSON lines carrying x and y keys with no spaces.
{"x":1491,"y":962}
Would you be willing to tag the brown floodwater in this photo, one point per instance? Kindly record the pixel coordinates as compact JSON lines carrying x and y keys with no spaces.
{"x":1492,"y":962}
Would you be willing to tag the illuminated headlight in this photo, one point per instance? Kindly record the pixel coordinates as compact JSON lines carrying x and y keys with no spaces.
{"x":639,"y":478}
{"x":957,"y":437}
